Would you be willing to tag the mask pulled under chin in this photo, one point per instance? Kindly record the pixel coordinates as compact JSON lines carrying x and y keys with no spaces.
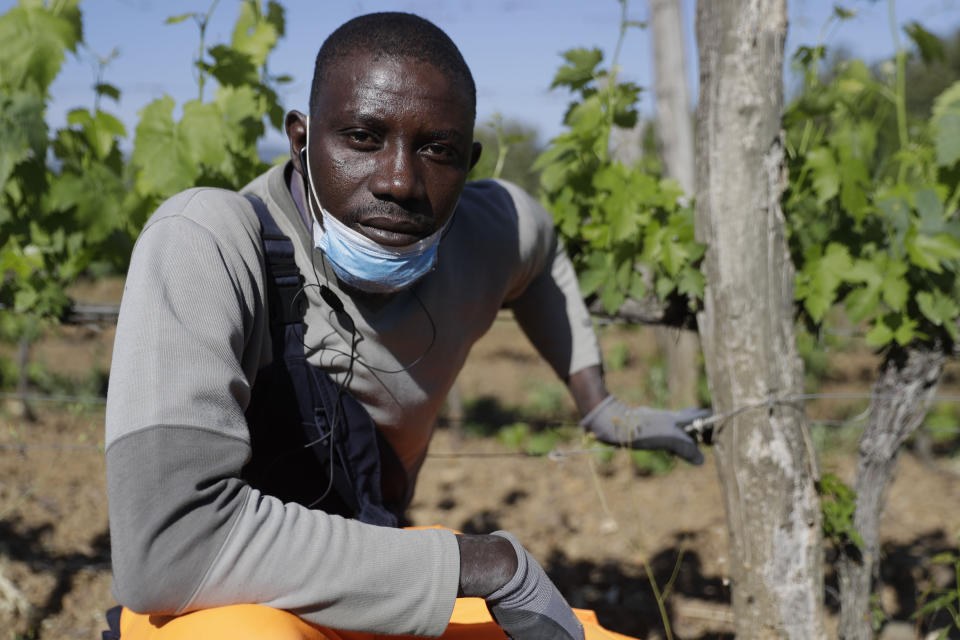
{"x":369,"y":266}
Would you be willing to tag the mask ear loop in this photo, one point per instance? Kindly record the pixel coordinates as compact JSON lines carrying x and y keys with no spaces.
{"x":326,"y":293}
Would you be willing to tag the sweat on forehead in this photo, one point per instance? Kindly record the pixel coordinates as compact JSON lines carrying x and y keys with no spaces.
{"x":397,"y":35}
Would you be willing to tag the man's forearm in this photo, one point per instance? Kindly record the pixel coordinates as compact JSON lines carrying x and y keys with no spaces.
{"x":587,"y":388}
{"x":553,"y":316}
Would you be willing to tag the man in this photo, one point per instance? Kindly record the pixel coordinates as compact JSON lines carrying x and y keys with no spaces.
{"x":353,"y":279}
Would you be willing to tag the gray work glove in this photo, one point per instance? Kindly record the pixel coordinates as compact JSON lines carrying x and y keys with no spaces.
{"x":617,"y":423}
{"x":529,"y":607}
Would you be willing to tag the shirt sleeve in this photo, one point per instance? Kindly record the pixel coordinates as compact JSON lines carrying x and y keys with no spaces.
{"x":546,"y":301}
{"x":186,"y":532}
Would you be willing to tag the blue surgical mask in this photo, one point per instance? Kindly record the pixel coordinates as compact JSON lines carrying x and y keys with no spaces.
{"x":363,"y":263}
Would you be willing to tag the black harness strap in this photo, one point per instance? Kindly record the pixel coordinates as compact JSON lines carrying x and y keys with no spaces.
{"x":113,"y":624}
{"x":313,"y":443}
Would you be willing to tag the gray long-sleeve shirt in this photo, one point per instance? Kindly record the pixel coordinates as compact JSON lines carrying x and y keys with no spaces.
{"x":186,"y":532}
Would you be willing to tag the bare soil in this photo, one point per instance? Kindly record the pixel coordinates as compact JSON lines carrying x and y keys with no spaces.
{"x":595,"y":525}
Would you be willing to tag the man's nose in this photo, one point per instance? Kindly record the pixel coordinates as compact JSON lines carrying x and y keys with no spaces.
{"x":397,"y":175}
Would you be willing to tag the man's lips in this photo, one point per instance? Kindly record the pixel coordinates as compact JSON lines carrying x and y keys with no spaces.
{"x":393,"y":232}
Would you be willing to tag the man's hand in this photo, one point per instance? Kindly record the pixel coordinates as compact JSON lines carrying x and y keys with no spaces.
{"x":524,"y":602}
{"x":617,"y":423}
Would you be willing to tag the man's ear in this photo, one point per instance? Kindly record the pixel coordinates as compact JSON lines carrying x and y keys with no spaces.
{"x":296,"y":126}
{"x":475,"y":154}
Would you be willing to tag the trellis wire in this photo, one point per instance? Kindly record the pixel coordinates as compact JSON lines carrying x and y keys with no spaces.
{"x":555,"y":455}
{"x":60,"y":399}
{"x":70,"y":399}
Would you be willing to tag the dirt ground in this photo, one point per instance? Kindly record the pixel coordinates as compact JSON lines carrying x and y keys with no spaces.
{"x":593,"y":524}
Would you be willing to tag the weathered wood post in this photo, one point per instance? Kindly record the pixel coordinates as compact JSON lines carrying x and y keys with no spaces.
{"x":765,"y":460}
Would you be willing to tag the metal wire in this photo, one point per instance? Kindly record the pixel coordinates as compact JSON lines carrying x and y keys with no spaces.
{"x":23,"y":448}
{"x":63,"y":399}
{"x":556,"y":454}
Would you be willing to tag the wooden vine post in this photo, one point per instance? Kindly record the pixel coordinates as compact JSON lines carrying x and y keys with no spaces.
{"x":765,"y":459}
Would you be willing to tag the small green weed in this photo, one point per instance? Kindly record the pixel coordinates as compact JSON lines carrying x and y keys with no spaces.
{"x":838,"y":502}
{"x":513,"y":436}
{"x":704,"y":397}
{"x":942,"y":423}
{"x":520,"y":436}
{"x":944,"y":599}
{"x":9,"y":373}
{"x":484,"y":415}
{"x":816,"y":362}
{"x":658,"y":389}
{"x":655,"y":463}
{"x":545,"y":400}
{"x":878,"y":617}
{"x":45,"y":380}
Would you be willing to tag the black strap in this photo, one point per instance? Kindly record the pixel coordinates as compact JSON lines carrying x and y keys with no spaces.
{"x":306,"y":429}
{"x":286,"y":279}
{"x":113,"y":622}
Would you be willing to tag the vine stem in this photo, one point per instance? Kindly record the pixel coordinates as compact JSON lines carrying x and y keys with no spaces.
{"x":900,"y":94}
{"x":660,"y":599}
{"x":624,"y":23}
{"x":502,"y":148}
{"x":612,"y":80}
{"x":202,"y":24}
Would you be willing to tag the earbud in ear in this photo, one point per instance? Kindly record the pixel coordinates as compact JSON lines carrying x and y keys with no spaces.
{"x":303,"y":160}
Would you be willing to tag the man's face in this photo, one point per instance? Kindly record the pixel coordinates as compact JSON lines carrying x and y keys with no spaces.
{"x":391,"y":144}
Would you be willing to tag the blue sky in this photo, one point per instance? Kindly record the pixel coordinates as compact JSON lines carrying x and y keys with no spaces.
{"x":512,"y":46}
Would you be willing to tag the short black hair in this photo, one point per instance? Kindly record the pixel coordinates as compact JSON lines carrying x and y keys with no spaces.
{"x":393,"y":34}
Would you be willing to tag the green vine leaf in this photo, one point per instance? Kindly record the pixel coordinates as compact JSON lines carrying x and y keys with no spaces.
{"x":106,"y":89}
{"x":821,"y":276}
{"x":838,"y":502}
{"x":23,"y":132}
{"x":202,"y":127}
{"x":870,"y":208}
{"x":946,"y":125}
{"x":930,"y":46}
{"x":826,"y":176}
{"x":161,"y":151}
{"x":579,"y":70}
{"x":594,"y":274}
{"x":34,"y":39}
{"x":254,"y":34}
{"x":59,"y":218}
{"x":180,"y":18}
{"x":616,"y":221}
{"x":940,"y":309}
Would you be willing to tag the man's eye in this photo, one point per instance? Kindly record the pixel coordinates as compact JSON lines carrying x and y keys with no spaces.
{"x":439,"y":152}
{"x":360,"y":138}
